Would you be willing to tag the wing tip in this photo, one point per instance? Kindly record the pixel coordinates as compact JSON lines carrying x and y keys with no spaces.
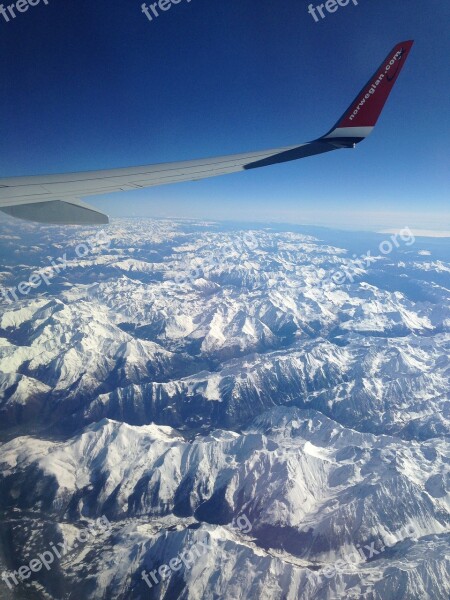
{"x":362,"y":115}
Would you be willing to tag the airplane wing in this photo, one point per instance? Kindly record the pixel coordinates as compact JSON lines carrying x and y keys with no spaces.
{"x":56,"y":198}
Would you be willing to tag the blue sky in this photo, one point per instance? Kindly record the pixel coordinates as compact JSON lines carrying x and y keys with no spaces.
{"x":89,"y":85}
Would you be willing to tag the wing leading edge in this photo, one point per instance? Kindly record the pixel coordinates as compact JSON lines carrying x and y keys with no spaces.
{"x":56,"y":198}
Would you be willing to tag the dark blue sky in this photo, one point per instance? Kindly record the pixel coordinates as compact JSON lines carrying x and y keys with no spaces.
{"x":88,"y":85}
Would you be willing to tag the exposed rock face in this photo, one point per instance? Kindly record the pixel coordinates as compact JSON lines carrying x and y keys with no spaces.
{"x":216,"y":390}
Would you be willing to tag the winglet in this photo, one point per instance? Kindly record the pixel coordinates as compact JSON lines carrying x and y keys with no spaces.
{"x":360,"y":118}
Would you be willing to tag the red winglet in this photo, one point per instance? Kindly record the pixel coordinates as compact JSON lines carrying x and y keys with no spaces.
{"x":367,"y":107}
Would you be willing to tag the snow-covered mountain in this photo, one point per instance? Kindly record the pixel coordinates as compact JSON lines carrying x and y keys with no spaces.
{"x":178,"y":378}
